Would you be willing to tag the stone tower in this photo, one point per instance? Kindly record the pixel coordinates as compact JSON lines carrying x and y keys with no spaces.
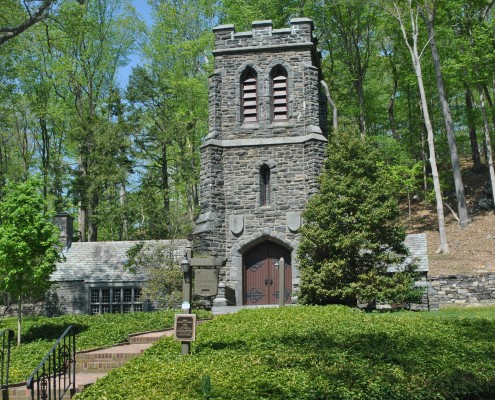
{"x":261,"y":158}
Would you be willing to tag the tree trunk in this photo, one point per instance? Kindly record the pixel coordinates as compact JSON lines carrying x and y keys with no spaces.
{"x":362,"y":121}
{"x":45,"y":156}
{"x":413,"y":50}
{"x":444,"y":247}
{"x":475,"y":150}
{"x":488,"y":144}
{"x":391,"y":116}
{"x":490,"y":102}
{"x":464,"y":218}
{"x":82,"y":215}
{"x":332,"y":104}
{"x":165,"y":185}
{"x":123,"y":231}
{"x":19,"y":320}
{"x":93,"y":220}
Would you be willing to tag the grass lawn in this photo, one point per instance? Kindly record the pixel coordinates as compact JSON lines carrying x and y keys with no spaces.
{"x":40,"y":333}
{"x":319,"y":353}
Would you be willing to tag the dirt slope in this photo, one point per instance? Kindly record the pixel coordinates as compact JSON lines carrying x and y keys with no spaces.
{"x":472,"y":249}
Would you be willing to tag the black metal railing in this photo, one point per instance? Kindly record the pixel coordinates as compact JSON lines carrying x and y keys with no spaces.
{"x":6,"y":337}
{"x":56,"y":373}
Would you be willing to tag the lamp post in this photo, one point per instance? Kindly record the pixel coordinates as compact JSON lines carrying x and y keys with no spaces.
{"x":185,"y":267}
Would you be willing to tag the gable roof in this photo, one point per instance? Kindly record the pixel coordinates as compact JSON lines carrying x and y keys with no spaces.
{"x":104,"y":261}
{"x":418,"y":251}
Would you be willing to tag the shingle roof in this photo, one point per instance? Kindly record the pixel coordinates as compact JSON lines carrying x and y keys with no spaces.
{"x":418,"y":249}
{"x":103,"y":261}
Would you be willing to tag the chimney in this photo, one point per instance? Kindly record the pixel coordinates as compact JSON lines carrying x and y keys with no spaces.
{"x":65,"y":223}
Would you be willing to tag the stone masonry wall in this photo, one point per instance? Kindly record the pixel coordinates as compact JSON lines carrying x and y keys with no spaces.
{"x":262,"y":49}
{"x":294,"y":168}
{"x":471,"y":290}
{"x":66,"y":298}
{"x":232,"y":220}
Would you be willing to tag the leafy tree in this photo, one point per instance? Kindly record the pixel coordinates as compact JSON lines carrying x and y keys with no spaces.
{"x":28,"y":243}
{"x":242,"y":13}
{"x":352,"y":233}
{"x":169,"y":97}
{"x":33,"y":12}
{"x":89,"y":44}
{"x":164,"y":277}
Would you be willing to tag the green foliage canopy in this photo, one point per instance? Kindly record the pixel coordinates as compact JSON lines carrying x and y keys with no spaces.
{"x":28,"y":241}
{"x":164,"y":284}
{"x":352,"y":233}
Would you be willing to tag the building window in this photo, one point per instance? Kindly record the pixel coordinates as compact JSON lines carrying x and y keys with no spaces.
{"x":249,"y":99}
{"x":123,"y":300}
{"x":279,"y":95}
{"x":264,"y":185}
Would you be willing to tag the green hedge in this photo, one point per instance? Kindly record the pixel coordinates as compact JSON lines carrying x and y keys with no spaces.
{"x":318,"y":353}
{"x":40,"y":333}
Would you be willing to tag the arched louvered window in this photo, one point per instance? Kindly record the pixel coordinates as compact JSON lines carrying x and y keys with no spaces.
{"x":264,"y":185}
{"x":249,"y":95}
{"x":279,"y":95}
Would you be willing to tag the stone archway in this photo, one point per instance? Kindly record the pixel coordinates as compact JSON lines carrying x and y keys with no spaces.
{"x":260,"y":277}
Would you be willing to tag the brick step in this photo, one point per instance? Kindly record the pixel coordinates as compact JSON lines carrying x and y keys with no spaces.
{"x":150,"y":337}
{"x":107,"y":359}
{"x":20,"y":392}
{"x":94,"y":364}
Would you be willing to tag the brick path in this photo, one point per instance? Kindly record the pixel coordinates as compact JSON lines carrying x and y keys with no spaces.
{"x":95,"y":364}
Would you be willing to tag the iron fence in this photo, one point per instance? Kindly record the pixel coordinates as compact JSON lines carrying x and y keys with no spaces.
{"x":56,"y":373}
{"x":6,"y":336}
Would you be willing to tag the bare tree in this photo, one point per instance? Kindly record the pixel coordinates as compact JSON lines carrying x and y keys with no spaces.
{"x":411,"y":41}
{"x":486,"y":130}
{"x":427,"y":12}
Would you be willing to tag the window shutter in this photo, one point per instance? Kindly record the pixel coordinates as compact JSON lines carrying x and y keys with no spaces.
{"x":279,"y":90}
{"x":249,"y":98}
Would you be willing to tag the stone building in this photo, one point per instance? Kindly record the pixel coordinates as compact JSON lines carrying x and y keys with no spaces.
{"x":92,"y":278}
{"x":261,"y":158}
{"x":259,"y":165}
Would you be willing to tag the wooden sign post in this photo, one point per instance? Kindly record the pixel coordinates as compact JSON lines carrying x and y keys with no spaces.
{"x":185,"y":324}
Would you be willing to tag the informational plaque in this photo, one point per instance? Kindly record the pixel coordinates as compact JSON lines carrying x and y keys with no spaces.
{"x":206,"y":282}
{"x":185,"y":327}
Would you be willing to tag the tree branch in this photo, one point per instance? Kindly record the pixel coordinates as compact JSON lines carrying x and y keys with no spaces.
{"x":330,"y":101}
{"x":10,"y":32}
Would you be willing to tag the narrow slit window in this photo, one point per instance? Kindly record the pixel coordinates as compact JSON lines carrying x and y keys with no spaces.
{"x":264,"y":185}
{"x":249,"y":97}
{"x":279,"y":95}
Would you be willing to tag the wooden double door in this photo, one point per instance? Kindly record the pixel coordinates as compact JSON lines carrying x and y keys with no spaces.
{"x":261,"y":278}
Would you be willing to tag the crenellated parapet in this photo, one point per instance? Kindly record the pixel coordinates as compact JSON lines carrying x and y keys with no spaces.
{"x":266,"y":83}
{"x":264,"y":37}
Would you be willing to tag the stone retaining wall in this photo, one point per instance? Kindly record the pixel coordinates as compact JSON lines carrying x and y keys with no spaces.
{"x":476,"y":289}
